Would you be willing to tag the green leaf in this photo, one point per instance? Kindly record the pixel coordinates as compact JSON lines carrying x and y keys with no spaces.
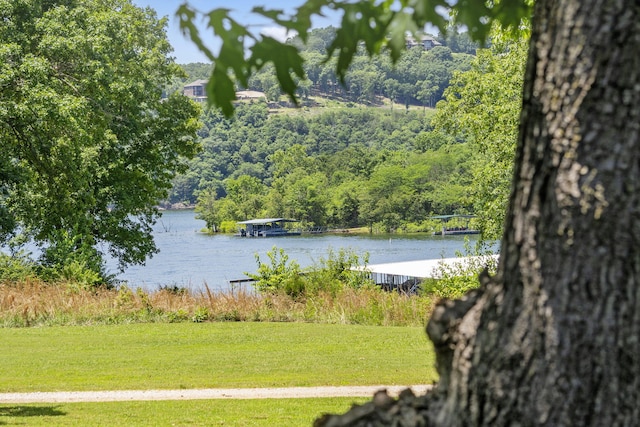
{"x":221,"y":90}
{"x":361,"y":22}
{"x":301,"y":20}
{"x":285,"y":58}
{"x":233,"y":36}
{"x":186,"y":17}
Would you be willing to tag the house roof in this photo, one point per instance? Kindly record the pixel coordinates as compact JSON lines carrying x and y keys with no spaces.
{"x":197,"y":83}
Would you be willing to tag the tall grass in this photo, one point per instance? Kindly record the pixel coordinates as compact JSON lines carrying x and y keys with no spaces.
{"x":32,"y":302}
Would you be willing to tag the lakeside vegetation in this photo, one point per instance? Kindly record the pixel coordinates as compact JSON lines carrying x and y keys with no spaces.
{"x":349,"y":157}
{"x":35,"y":303}
{"x":330,"y":291}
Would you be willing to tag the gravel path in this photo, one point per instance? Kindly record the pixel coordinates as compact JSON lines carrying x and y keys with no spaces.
{"x":211,"y":393}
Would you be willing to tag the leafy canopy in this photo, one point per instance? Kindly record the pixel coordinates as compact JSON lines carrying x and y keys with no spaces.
{"x":88,"y":144}
{"x":375,"y":24}
{"x":482,"y":106}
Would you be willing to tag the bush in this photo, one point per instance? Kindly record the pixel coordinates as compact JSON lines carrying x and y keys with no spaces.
{"x":16,"y":268}
{"x":279,"y":275}
{"x":228,"y":227}
{"x":336,"y":272}
{"x":328,"y":275}
{"x":457,"y":280}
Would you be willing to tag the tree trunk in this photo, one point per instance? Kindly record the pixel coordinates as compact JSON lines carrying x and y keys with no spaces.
{"x":554,"y":337}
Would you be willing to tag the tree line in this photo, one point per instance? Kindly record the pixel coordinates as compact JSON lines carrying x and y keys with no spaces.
{"x":419,"y":77}
{"x":349,"y":167}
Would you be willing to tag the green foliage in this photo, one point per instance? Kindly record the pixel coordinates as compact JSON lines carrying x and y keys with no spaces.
{"x":200,"y":315}
{"x":335,"y":272}
{"x":458,"y":279}
{"x":331,"y":274}
{"x":16,"y":268}
{"x":228,"y":227}
{"x":482,"y":105}
{"x":278,"y":276}
{"x":93,"y":146}
{"x":78,"y":276}
{"x":371,"y":24}
{"x":345,"y":168}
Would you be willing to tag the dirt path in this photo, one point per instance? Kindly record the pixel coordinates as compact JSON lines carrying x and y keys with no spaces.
{"x":211,"y":393}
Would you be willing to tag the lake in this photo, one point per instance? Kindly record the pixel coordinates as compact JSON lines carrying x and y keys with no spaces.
{"x":191,"y":258}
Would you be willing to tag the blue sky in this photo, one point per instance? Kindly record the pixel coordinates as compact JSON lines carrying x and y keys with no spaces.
{"x":185,"y":51}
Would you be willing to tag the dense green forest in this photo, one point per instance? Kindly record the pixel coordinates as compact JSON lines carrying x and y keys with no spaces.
{"x":347,"y":167}
{"x":344,"y":160}
{"x":418,"y":78}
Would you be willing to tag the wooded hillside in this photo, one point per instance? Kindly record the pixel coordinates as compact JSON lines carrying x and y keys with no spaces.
{"x":363,"y":162}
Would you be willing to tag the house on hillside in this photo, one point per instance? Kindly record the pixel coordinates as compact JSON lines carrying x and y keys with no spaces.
{"x":427,"y":42}
{"x":198,"y":92}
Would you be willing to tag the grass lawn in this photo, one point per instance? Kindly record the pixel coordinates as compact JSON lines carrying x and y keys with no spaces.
{"x":203,"y":355}
{"x":262,"y":412}
{"x":211,"y":355}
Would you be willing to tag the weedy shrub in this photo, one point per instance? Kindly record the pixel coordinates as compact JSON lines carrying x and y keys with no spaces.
{"x":330,"y":274}
{"x":16,"y":268}
{"x":458,"y":279}
{"x":177,"y":316}
{"x":336,"y":271}
{"x":78,"y":276}
{"x":279,"y":275}
{"x":201,"y":315}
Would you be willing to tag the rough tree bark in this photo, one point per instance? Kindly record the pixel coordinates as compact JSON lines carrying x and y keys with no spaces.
{"x":554,"y":337}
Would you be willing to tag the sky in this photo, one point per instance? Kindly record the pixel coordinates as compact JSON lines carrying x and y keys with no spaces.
{"x":185,"y":51}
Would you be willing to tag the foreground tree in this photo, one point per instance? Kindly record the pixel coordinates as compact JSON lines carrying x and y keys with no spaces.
{"x":90,"y":143}
{"x":552,"y":338}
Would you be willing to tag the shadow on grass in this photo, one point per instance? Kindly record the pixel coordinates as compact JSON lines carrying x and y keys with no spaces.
{"x":29,"y":411}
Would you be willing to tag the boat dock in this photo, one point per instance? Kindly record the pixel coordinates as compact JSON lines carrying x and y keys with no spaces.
{"x":406,"y":276}
{"x":455,"y":230}
{"x":267,"y":227}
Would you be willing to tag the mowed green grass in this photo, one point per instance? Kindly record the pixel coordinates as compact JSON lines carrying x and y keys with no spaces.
{"x":260,"y":412}
{"x":212,"y":355}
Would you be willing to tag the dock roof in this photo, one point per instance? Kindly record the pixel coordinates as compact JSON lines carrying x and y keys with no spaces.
{"x":423,"y":269}
{"x":451,"y":216}
{"x":261,"y":221}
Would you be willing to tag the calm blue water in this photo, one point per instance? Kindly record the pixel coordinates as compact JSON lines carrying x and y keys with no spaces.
{"x":190,"y":258}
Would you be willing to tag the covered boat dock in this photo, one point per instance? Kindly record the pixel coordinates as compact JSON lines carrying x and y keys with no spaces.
{"x":407,"y":276}
{"x":455,"y":230}
{"x":267,"y":227}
